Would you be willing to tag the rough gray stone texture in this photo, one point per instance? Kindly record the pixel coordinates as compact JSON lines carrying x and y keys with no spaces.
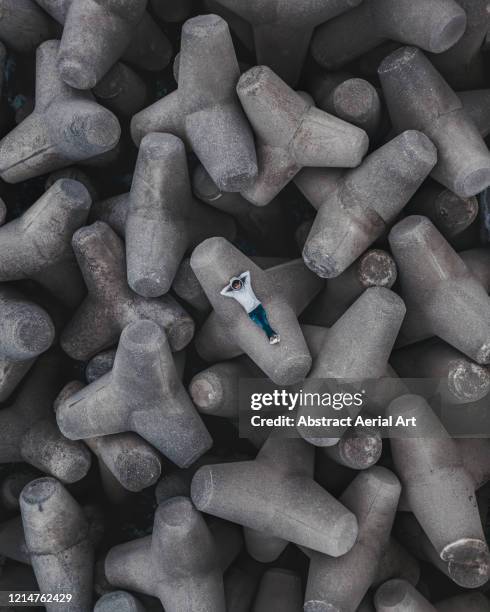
{"x":57,"y":538}
{"x":366,"y":201}
{"x":352,"y":99}
{"x":284,"y":291}
{"x":375,"y":268}
{"x":97,"y":33}
{"x":476,"y":105}
{"x":204,"y":111}
{"x":122,"y":90}
{"x":133,"y":462}
{"x":26,"y":331}
{"x":358,"y":449}
{"x":292,"y":134}
{"x":143,"y":394}
{"x":419,"y":98}
{"x":279,"y":591}
{"x":462,"y":65}
{"x":167,"y":563}
{"x":373,"y":497}
{"x":119,"y":601}
{"x":76,"y":174}
{"x":450,"y":213}
{"x":443,"y":297}
{"x":110,"y":304}
{"x":157,"y":230}
{"x":29,"y":430}
{"x":36,"y":245}
{"x":276,"y":494}
{"x":275,"y":24}
{"x":356,"y":348}
{"x":215,"y":390}
{"x":458,"y":380}
{"x":433,"y":26}
{"x":66,"y":126}
{"x":202,"y":221}
{"x":441,"y":492}
{"x":400,"y":596}
{"x":24,"y":25}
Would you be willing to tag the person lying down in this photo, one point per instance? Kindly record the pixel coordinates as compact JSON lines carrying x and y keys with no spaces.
{"x":240,"y":289}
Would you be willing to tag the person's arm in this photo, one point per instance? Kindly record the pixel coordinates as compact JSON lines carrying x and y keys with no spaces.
{"x":245,"y":278}
{"x":227,"y":290}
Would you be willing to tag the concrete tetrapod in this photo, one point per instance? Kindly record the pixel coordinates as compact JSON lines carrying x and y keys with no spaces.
{"x":204,"y":111}
{"x":66,"y":126}
{"x":143,"y":394}
{"x":276,"y":494}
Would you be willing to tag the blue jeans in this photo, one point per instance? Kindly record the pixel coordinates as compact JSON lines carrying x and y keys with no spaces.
{"x":259,"y":317}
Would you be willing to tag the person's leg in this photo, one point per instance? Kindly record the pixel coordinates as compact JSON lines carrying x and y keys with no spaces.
{"x":259,"y":317}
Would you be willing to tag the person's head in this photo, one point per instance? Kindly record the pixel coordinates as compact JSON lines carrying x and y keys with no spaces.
{"x":236,"y":284}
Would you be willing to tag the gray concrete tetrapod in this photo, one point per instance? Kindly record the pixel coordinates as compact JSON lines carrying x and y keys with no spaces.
{"x":276,"y":494}
{"x":292,"y":134}
{"x":375,"y":268}
{"x":359,"y":448}
{"x":179,"y":563}
{"x":469,"y":602}
{"x":95,"y":34}
{"x":36,"y":245}
{"x":450,"y":213}
{"x":440,"y":491}
{"x":352,"y":99}
{"x":57,"y":538}
{"x":397,"y":562}
{"x":65,"y":127}
{"x":463,"y":64}
{"x":205,"y":111}
{"x":188,"y":288}
{"x":447,"y":300}
{"x":290,"y":280}
{"x":133,"y":462}
{"x":110,"y":304}
{"x":215,"y":262}
{"x":143,"y":394}
{"x":119,"y":601}
{"x":435,"y":26}
{"x":356,"y":349}
{"x":28,"y":429}
{"x":276,"y":23}
{"x":122,"y":90}
{"x":456,"y":378}
{"x":12,"y":485}
{"x":26,"y":331}
{"x":419,"y":98}
{"x":339,"y":585}
{"x":74,"y":173}
{"x":24,"y":25}
{"x":366,"y":201}
{"x":400,"y":596}
{"x":279,"y":591}
{"x":158,"y":229}
{"x":202,"y":221}
{"x":98,"y":32}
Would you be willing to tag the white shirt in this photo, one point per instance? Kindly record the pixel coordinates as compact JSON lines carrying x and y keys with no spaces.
{"x":245,"y":295}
